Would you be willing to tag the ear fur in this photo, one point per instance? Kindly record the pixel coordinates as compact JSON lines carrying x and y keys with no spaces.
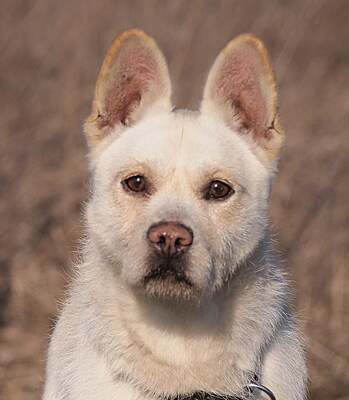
{"x":241,"y":89}
{"x":134,"y":79}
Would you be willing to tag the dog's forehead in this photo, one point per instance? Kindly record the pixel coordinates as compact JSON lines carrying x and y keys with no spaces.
{"x":180,"y":140}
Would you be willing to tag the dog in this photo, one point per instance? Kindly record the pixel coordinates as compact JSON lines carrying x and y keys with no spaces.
{"x":180,"y":294}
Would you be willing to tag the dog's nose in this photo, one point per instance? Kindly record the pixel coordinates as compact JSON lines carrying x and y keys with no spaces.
{"x":170,"y":238}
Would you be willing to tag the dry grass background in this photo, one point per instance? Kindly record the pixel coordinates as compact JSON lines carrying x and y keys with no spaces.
{"x":51,"y":52}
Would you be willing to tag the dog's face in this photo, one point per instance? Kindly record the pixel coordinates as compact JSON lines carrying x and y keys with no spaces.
{"x":180,"y":198}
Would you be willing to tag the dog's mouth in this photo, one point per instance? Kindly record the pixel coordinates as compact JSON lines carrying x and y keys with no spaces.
{"x":166,"y":273}
{"x":169,"y":271}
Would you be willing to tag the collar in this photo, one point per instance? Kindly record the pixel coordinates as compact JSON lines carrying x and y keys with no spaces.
{"x":211,"y":396}
{"x":204,"y":396}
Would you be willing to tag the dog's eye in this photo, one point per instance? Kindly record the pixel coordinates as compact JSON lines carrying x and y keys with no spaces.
{"x":135,"y":183}
{"x":219,"y":190}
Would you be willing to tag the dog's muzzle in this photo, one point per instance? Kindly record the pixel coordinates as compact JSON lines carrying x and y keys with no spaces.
{"x":169,"y":244}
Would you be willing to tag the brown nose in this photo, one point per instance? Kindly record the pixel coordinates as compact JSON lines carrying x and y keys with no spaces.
{"x":170,"y":238}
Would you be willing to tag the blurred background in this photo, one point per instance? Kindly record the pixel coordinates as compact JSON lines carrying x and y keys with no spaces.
{"x":51,"y":52}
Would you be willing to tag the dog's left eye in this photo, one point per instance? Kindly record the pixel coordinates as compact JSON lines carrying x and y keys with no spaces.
{"x":219,"y":190}
{"x":135,"y":183}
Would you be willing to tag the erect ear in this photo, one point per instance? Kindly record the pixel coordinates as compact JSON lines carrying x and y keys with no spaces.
{"x":241,"y":89}
{"x":133,"y":81}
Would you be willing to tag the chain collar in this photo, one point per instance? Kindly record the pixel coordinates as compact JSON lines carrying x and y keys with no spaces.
{"x":210,"y":396}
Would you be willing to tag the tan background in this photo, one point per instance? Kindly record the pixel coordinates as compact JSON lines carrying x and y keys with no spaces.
{"x":51,"y":52}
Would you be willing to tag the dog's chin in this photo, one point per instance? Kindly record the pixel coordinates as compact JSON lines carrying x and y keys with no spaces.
{"x":168,"y":279}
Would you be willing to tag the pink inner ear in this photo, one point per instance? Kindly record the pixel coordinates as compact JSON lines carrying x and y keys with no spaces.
{"x":238,"y":84}
{"x":137,"y":72}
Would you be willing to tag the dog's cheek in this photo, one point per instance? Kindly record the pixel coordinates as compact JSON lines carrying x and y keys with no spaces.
{"x":237,"y":229}
{"x":247,"y":231}
{"x":201,"y":268}
{"x":133,"y":219}
{"x":115,"y":224}
{"x":99,"y":228}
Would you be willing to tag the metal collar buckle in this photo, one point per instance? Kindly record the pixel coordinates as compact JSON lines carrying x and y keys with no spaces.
{"x":262,"y":388}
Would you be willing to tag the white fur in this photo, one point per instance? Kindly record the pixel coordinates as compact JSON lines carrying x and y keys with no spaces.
{"x":114,"y":341}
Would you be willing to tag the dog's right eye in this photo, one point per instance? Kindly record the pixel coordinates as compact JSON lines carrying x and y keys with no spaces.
{"x":135,"y":183}
{"x":219,"y":190}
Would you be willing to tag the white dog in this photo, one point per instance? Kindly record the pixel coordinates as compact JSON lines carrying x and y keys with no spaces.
{"x":180,"y":295}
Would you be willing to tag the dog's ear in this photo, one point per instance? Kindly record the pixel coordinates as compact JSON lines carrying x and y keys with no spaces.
{"x":133,"y":81}
{"x":241,"y":89}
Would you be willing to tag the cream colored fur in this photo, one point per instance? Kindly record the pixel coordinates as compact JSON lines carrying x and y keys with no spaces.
{"x":119,"y":340}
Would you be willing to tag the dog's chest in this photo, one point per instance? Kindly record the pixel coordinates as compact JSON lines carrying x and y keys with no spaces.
{"x":182,"y":348}
{"x":184,"y":358}
{"x":182,"y":338}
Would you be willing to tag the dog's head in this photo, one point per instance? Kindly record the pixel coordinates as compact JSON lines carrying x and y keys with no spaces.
{"x":180,"y":198}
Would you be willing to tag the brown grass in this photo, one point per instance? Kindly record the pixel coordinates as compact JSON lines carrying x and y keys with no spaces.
{"x":51,"y":52}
